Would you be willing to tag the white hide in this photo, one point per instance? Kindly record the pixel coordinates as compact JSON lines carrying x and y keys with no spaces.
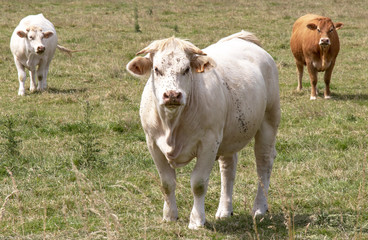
{"x":40,"y":33}
{"x":224,"y":108}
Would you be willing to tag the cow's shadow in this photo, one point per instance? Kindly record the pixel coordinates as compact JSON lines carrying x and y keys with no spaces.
{"x":243,"y":225}
{"x":65,"y":91}
{"x":345,"y":97}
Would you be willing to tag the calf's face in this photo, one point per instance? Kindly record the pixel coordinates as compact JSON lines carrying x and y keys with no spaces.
{"x":35,"y":38}
{"x":326,"y":30}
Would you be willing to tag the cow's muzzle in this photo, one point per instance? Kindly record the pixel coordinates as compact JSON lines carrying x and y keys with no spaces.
{"x":40,"y":49}
{"x":324,"y":42}
{"x":172,"y":98}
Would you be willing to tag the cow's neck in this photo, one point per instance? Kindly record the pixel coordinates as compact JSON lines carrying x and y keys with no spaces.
{"x":324,"y":57}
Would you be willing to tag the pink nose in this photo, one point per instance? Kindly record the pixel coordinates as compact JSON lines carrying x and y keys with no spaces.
{"x":40,"y":49}
{"x":324,"y":41}
{"x":172,"y":97}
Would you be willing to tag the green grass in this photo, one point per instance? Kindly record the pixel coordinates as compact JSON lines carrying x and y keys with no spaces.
{"x":319,"y":181}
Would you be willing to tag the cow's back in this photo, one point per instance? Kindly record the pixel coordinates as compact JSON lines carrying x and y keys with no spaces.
{"x":250,"y":77}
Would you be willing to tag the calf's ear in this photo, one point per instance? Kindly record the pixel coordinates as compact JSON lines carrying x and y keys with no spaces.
{"x":312,"y":26}
{"x":21,"y":34}
{"x":139,"y":66}
{"x":202,"y":63}
{"x":47,"y":34}
{"x":338,"y":25}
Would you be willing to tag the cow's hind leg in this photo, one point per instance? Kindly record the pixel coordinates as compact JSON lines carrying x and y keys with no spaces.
{"x":327,"y":78}
{"x":42,"y":77}
{"x":265,"y":153}
{"x":300,"y":67}
{"x":32,"y":82}
{"x":227,"y":169}
{"x":313,"y":78}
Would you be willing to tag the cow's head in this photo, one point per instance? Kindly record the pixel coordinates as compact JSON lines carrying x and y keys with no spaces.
{"x":326,"y":30}
{"x":171,"y":63}
{"x":35,"y":38}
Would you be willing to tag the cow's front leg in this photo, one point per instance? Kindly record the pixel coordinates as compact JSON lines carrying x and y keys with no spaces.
{"x":228,"y":170}
{"x":21,"y":77}
{"x":32,"y":82}
{"x":199,"y":183}
{"x":168,"y":182}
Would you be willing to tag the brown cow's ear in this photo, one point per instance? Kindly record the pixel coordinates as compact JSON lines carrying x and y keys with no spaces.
{"x":139,"y":66}
{"x":338,"y":25}
{"x":202,"y":63}
{"x":21,"y":34}
{"x":312,"y":26}
{"x":47,"y":34}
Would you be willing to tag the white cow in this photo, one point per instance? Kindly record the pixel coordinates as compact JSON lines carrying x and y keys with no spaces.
{"x":33,"y":45}
{"x":209,"y":104}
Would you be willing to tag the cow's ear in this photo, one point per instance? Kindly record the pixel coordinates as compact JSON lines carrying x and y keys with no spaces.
{"x":139,"y":66}
{"x":312,"y":26}
{"x":47,"y":34}
{"x":21,"y":34}
{"x":338,"y":25}
{"x":202,"y":63}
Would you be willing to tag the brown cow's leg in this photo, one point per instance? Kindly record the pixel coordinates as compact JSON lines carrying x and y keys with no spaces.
{"x":328,"y":74}
{"x":313,"y":77}
{"x":300,"y":67}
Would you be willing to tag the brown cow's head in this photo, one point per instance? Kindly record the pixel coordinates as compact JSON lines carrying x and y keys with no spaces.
{"x":171,"y":63}
{"x":325,"y":28}
{"x":35,"y":38}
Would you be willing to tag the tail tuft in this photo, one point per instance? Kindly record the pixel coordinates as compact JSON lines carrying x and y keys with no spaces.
{"x":66,"y":50}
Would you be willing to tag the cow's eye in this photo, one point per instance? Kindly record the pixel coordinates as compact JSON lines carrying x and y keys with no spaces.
{"x":331,"y":30}
{"x":319,"y":30}
{"x":31,"y":37}
{"x":158,"y":72}
{"x":186,"y":71}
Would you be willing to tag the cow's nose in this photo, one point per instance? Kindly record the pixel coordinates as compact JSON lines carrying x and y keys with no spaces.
{"x":40,"y":49}
{"x":324,"y":41}
{"x":172,"y":97}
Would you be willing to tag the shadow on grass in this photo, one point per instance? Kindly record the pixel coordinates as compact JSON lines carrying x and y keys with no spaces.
{"x":344,"y":97}
{"x":266,"y":226}
{"x":66,"y":91}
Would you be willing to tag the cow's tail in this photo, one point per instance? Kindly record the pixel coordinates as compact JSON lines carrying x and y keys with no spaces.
{"x":66,"y":50}
{"x":247,"y":36}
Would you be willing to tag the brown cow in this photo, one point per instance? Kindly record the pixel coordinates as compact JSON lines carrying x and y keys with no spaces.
{"x":315,"y":43}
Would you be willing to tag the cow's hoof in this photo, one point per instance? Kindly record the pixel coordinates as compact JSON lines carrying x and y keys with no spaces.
{"x":313,"y":98}
{"x":223,"y":214}
{"x":260,"y":210}
{"x":195,"y":226}
{"x":170,"y":219}
{"x":327,"y":97}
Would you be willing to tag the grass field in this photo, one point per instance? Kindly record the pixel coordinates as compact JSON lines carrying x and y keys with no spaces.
{"x":73,"y":160}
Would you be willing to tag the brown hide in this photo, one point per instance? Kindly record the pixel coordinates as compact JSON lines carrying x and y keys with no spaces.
{"x":306,"y":48}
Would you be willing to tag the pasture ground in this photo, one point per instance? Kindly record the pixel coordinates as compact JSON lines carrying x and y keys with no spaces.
{"x":73,"y":159}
